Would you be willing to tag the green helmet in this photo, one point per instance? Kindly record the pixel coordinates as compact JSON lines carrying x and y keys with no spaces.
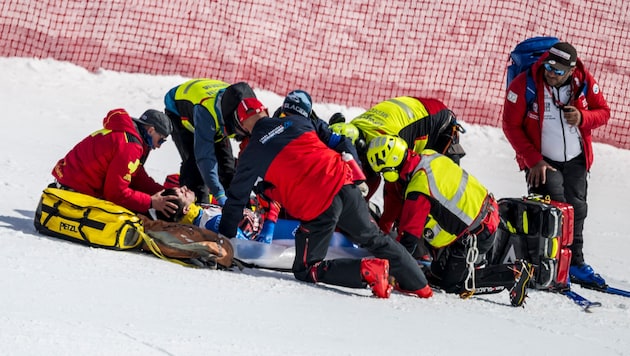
{"x":348,"y":130}
{"x":385,"y":154}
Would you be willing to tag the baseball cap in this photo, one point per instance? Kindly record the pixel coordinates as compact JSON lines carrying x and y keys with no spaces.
{"x":158,"y":120}
{"x":562,"y":55}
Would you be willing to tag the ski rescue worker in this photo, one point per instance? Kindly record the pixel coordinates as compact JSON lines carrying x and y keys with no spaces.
{"x":197,"y":109}
{"x":303,"y":168}
{"x":421,"y":122}
{"x":298,"y":102}
{"x":552,"y":137}
{"x":452,"y":210}
{"x":109,"y":163}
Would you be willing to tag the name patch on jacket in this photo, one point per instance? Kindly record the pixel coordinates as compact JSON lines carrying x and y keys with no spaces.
{"x":512,"y":97}
{"x":275,"y":131}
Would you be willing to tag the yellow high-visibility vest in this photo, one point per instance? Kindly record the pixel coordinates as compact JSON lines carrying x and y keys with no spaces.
{"x":461,"y":196}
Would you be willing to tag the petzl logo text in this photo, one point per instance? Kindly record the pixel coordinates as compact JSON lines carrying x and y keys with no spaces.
{"x":67,"y":227}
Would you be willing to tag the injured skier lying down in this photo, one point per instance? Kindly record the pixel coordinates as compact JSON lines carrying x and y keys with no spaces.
{"x":255,"y":225}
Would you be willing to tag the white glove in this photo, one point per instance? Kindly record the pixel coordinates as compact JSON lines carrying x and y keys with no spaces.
{"x":363,"y":187}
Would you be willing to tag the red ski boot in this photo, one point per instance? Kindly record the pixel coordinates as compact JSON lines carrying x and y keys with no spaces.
{"x":375,"y":273}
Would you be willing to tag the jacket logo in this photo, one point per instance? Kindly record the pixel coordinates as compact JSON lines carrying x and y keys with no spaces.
{"x":510,"y":256}
{"x":101,"y":132}
{"x":132,"y":166}
{"x":512,"y":97}
{"x":276,"y":131}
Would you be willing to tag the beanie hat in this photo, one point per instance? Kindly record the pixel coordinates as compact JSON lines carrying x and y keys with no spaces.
{"x":248,"y":107}
{"x":297,"y":102}
{"x":158,"y":120}
{"x":562,"y":56}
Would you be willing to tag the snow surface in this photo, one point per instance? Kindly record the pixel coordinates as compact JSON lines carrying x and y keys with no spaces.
{"x":60,"y":298}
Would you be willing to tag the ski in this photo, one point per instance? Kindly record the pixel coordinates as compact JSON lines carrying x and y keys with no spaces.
{"x":607,"y":289}
{"x":617,"y":291}
{"x":581,"y":301}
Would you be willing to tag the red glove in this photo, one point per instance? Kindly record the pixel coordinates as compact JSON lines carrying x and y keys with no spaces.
{"x":357,"y":173}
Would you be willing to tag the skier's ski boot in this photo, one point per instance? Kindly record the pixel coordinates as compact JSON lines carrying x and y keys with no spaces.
{"x":585,"y":276}
{"x":375,"y":272}
{"x":425,"y":292}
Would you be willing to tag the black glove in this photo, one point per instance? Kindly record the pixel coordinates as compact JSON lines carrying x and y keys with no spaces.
{"x":410,"y":242}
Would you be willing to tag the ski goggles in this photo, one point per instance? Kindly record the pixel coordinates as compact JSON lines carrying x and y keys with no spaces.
{"x":549,"y":68}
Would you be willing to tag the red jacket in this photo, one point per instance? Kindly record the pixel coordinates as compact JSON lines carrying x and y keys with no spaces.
{"x":108,"y":165}
{"x":522,"y":125}
{"x":290,"y":161}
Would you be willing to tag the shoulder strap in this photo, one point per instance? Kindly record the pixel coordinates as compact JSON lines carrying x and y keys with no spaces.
{"x":583,"y":90}
{"x":530,"y":89}
{"x":132,"y":138}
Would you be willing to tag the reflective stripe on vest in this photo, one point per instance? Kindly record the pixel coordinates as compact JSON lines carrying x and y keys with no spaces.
{"x":199,"y":92}
{"x":438,"y":237}
{"x":390,"y":117}
{"x":403,"y":106}
{"x":468,"y":203}
{"x":434,"y":191}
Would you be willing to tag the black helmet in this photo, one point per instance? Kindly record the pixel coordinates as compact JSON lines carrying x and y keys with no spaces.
{"x":337,"y":118}
{"x":230,"y":99}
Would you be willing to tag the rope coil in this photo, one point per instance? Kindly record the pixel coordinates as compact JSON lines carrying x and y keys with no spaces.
{"x":472,"y":254}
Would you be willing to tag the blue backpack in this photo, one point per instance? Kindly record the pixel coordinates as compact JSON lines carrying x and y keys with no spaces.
{"x":523,"y":56}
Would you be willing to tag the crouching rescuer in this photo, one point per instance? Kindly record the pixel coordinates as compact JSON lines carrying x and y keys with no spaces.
{"x":300,"y":166}
{"x":454,"y":212}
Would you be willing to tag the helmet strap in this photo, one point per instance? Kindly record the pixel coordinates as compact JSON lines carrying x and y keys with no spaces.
{"x":390,"y":174}
{"x":239,"y":130}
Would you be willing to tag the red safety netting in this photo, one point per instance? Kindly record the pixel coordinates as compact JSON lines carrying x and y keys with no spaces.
{"x":351,"y":52}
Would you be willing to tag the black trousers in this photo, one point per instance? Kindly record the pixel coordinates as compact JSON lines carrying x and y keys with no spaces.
{"x":568,"y":184}
{"x":351,"y":214}
{"x":189,"y":174}
{"x":450,"y":269}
